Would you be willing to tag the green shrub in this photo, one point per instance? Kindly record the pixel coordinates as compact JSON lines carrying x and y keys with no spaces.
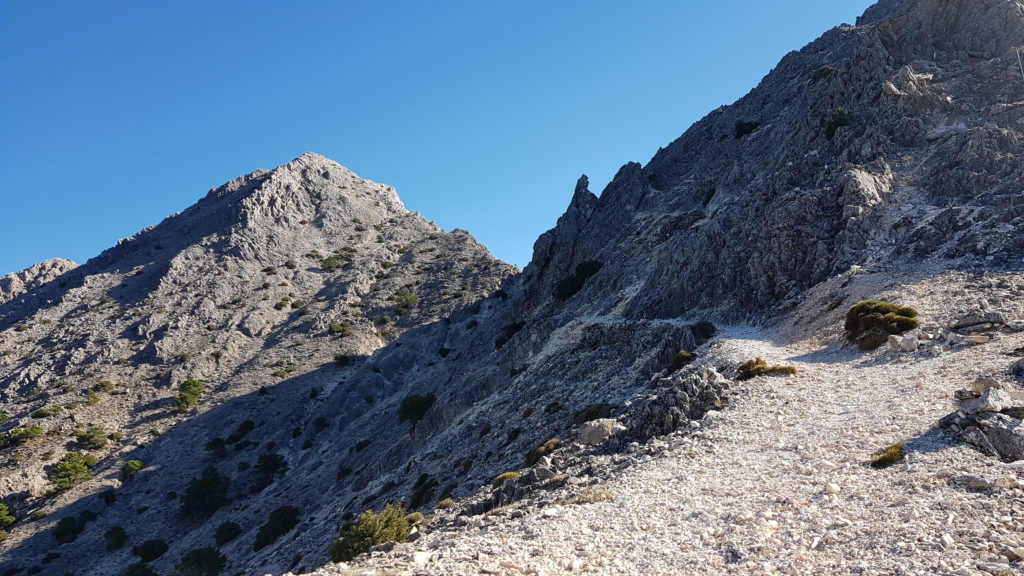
{"x":541,"y":451}
{"x":280,"y":522}
{"x":568,"y":287}
{"x":139,"y":569}
{"x":839,"y":119}
{"x":406,"y":300}
{"x":330,"y":264}
{"x":593,"y":412}
{"x":201,"y":562}
{"x":241,"y":432}
{"x":116,"y":537}
{"x":19,"y":436}
{"x":744,"y":128}
{"x":72,"y":469}
{"x":361,"y":445}
{"x":92,"y":438}
{"x":553,"y":407}
{"x":227,"y":532}
{"x":268,"y":467}
{"x":320,"y":424}
{"x":681,"y":359}
{"x":887,"y":456}
{"x":446,"y":504}
{"x":758,"y":367}
{"x":340,"y":329}
{"x":291,"y":265}
{"x":68,"y":528}
{"x":131,"y":468}
{"x":414,"y":407}
{"x":869,"y":323}
{"x":506,"y":477}
{"x":6,"y":516}
{"x":507,"y":333}
{"x":822,"y":73}
{"x":372,"y":528}
{"x":104,"y":386}
{"x":47,"y":412}
{"x":341,"y":359}
{"x":91,"y":398}
{"x":188,"y":396}
{"x":150,"y":550}
{"x":206,"y":493}
{"x":217,"y":447}
{"x":422,"y":491}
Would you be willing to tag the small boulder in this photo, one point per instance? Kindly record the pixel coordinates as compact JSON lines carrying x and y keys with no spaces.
{"x":983,"y":383}
{"x":978,"y":339}
{"x":991,"y":400}
{"x":1018,"y":369}
{"x":904,"y":343}
{"x":979,"y":317}
{"x":596,"y":431}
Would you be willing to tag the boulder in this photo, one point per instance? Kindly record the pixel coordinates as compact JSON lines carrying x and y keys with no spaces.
{"x":991,"y":400}
{"x":983,"y":383}
{"x":905,"y":342}
{"x":596,"y":431}
{"x":978,"y":317}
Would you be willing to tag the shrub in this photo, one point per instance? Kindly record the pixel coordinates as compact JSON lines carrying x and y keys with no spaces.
{"x":414,"y":407}
{"x":372,"y":528}
{"x":47,"y":412}
{"x":340,"y":328}
{"x":241,"y":432}
{"x":758,"y":367}
{"x":104,"y":386}
{"x":227,"y":532}
{"x":869,"y":323}
{"x":887,"y":456}
{"x":6,"y":516}
{"x":553,"y":407}
{"x":406,"y":300}
{"x":108,"y":497}
{"x":839,"y":119}
{"x":206,"y":493}
{"x":422,"y":491}
{"x":91,"y":398}
{"x":20,"y":436}
{"x":446,"y":504}
{"x":188,"y":395}
{"x":341,"y":359}
{"x":506,"y":477}
{"x":330,"y":264}
{"x":681,"y":359}
{"x":68,"y":528}
{"x":744,"y":128}
{"x":593,"y":412}
{"x":93,"y":438}
{"x":291,"y":265}
{"x":116,"y":537}
{"x":72,"y":469}
{"x":541,"y":451}
{"x":217,"y":447}
{"x":593,"y":494}
{"x":280,"y":522}
{"x":320,"y":424}
{"x":201,"y":562}
{"x":268,"y":467}
{"x":822,"y":73}
{"x":507,"y":333}
{"x":361,"y":445}
{"x":150,"y":550}
{"x":131,"y":468}
{"x":139,"y":569}
{"x":568,"y":287}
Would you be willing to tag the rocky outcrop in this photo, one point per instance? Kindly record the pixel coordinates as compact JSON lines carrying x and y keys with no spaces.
{"x":12,"y":285}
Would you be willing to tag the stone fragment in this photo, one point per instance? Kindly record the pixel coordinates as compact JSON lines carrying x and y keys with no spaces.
{"x":996,"y":568}
{"x":978,"y":339}
{"x":596,"y":431}
{"x":983,"y":383}
{"x":991,"y":400}
{"x":904,"y":343}
{"x":979,"y":317}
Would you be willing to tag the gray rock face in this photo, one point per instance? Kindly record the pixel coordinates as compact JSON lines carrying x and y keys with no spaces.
{"x":13,"y":285}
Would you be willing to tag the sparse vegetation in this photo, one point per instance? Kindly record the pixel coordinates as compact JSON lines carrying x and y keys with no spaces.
{"x":869,"y":323}
{"x":188,"y":396}
{"x":680,"y":360}
{"x":19,"y":436}
{"x":280,"y":522}
{"x":131,"y":468}
{"x":839,"y":119}
{"x":116,"y":537}
{"x":568,"y":287}
{"x":507,"y":333}
{"x":91,"y":398}
{"x":553,"y":407}
{"x":104,"y":386}
{"x":593,"y":494}
{"x":93,"y":438}
{"x":406,"y":300}
{"x":505,"y":477}
{"x":201,"y":562}
{"x":330,"y":264}
{"x":241,"y":432}
{"x":541,"y":451}
{"x":372,"y":528}
{"x":744,"y":128}
{"x":341,"y":359}
{"x":268,"y":467}
{"x":887,"y":456}
{"x":206,"y":493}
{"x":47,"y":412}
{"x":446,"y":504}
{"x":822,"y":73}
{"x":413,"y":408}
{"x":67,"y":529}
{"x":340,"y":329}
{"x":758,"y":367}
{"x":150,"y":550}
{"x":227,"y":532}
{"x":72,"y":469}
{"x":593,"y":412}
{"x":139,"y":569}
{"x":422,"y":491}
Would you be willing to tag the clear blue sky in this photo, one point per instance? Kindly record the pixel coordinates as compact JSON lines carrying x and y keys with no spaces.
{"x":114,"y":114}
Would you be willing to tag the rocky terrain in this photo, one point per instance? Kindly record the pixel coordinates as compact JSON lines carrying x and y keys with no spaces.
{"x":296,"y":348}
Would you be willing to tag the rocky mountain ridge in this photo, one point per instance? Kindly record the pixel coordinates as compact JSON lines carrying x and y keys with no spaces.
{"x":363,"y":356}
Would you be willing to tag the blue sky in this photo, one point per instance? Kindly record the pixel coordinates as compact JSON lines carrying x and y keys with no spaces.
{"x":114,"y":114}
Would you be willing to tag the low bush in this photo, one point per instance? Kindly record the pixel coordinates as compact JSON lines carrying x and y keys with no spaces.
{"x":341,"y":359}
{"x":188,"y":396}
{"x":340,"y":329}
{"x":268,"y":467}
{"x":139,"y":569}
{"x":206,"y":493}
{"x":414,"y":407}
{"x":446,"y":504}
{"x":505,"y":477}
{"x":93,"y":438}
{"x":372,"y":528}
{"x":72,"y":469}
{"x":6,"y":516}
{"x":681,"y":359}
{"x":405,"y":300}
{"x":280,"y":522}
{"x":744,"y":128}
{"x":422,"y":491}
{"x":150,"y":550}
{"x":241,"y":432}
{"x":104,"y":386}
{"x":839,"y":119}
{"x":568,"y":287}
{"x":507,"y":333}
{"x":869,"y":323}
{"x":131,"y":468}
{"x":887,"y":456}
{"x":68,"y":528}
{"x":227,"y":532}
{"x":758,"y":367}
{"x":19,"y":436}
{"x":541,"y":451}
{"x":47,"y":412}
{"x":593,"y":412}
{"x":822,"y":73}
{"x":201,"y":562}
{"x":116,"y":537}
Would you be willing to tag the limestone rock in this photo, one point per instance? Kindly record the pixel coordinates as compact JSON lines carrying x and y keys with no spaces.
{"x":991,"y":400}
{"x":596,"y":431}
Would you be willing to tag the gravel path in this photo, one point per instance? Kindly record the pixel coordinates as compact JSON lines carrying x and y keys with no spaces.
{"x":778,"y":484}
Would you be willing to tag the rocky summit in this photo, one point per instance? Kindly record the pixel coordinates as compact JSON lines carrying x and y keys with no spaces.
{"x":791,"y":343}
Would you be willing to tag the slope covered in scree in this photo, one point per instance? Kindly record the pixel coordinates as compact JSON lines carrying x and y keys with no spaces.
{"x":883,"y":156}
